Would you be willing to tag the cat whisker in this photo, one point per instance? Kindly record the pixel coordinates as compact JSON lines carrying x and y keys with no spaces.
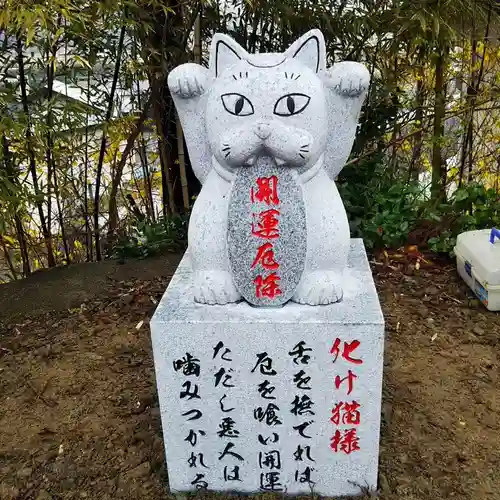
{"x":305,"y":150}
{"x":302,"y":156}
{"x":247,"y":74}
{"x":298,"y":76}
{"x":286,"y":74}
{"x":235,"y":77}
{"x":226,"y":149}
{"x":227,"y":154}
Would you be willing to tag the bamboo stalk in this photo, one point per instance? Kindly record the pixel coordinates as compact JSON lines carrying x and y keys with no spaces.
{"x":51,"y":166}
{"x":21,"y":235}
{"x":182,"y":165}
{"x":102,"y":150}
{"x":31,"y":155}
{"x":88,"y":231}
{"x":396,"y":125}
{"x":7,"y":255}
{"x":138,"y":189}
{"x":61,"y":219}
{"x":143,"y":156}
{"x":180,"y":136}
{"x":438,"y":166}
{"x":197,"y":38}
{"x":117,"y":177}
{"x":168,"y":194}
{"x":476,"y":92}
{"x":23,"y":247}
{"x":470,"y":100}
{"x":415,"y":167}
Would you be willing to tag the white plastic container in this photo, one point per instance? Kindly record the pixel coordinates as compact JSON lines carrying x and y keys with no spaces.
{"x":478,"y":262}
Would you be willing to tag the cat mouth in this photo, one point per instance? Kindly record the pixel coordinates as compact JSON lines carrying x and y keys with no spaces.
{"x":250,"y":162}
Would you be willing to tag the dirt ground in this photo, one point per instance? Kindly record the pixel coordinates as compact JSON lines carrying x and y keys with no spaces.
{"x":79,"y":415}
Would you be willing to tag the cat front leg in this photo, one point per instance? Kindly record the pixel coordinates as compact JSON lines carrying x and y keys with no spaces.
{"x":189,"y":84}
{"x":346,"y":84}
{"x":319,"y":288}
{"x":328,"y":241}
{"x":214,"y":287}
{"x":349,"y":79}
{"x":328,"y":236}
{"x":212,"y":279}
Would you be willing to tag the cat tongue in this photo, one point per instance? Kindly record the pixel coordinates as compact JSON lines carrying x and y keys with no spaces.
{"x":251,"y":161}
{"x":265,"y":161}
{"x":268,"y":161}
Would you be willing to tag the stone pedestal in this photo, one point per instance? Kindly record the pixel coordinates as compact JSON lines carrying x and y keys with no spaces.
{"x":284,"y":399}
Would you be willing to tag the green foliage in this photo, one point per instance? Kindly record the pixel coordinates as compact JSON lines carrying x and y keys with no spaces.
{"x":398,"y":40}
{"x":144,"y":239}
{"x":384,"y":210}
{"x":470,"y":207}
{"x":381,"y":209}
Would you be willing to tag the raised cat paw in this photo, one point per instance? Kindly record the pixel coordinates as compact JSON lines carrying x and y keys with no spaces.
{"x":214,"y":287}
{"x":319,"y":288}
{"x":188,"y":80}
{"x":349,"y":79}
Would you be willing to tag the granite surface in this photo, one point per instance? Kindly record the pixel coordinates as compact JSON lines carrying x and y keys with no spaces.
{"x":266,"y":233}
{"x":258,"y":399}
{"x":177,"y":304}
{"x":287,"y":106}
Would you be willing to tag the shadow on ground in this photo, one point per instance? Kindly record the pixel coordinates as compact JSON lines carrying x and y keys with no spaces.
{"x":63,"y":288}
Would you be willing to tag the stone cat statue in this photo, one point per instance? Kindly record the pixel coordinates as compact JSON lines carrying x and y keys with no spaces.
{"x":288,"y":107}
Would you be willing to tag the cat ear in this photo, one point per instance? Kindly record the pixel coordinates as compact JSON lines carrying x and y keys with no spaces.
{"x":224,"y":52}
{"x":310,"y":50}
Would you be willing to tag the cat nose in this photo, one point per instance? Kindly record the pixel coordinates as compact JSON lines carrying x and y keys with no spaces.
{"x":262,"y":130}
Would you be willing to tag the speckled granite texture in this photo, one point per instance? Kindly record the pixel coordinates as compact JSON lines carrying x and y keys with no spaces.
{"x":249,"y":231}
{"x":248,"y":396}
{"x":289,"y":107}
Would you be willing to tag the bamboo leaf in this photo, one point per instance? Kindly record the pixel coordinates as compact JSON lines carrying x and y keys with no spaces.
{"x":82,"y":61}
{"x":30,"y":34}
{"x":437,"y":26}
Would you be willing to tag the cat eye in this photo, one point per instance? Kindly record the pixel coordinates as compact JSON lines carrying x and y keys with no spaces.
{"x":237,"y":104}
{"x":291,"y":104}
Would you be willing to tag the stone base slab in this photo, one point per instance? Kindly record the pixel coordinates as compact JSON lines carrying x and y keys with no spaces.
{"x":271,"y":399}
